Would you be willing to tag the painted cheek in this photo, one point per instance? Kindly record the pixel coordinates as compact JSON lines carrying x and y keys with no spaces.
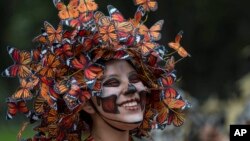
{"x":108,"y":104}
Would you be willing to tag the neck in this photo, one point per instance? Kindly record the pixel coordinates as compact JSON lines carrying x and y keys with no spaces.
{"x":102,"y":131}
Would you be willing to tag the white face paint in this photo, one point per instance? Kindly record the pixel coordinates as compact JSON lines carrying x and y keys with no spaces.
{"x":123,"y":96}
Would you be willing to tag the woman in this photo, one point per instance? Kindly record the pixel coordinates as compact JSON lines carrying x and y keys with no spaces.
{"x":105,"y":75}
{"x":123,"y":90}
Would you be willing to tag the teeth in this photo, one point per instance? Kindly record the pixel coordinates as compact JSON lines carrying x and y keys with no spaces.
{"x":130,"y":104}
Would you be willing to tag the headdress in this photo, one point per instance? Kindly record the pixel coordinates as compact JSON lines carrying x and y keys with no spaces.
{"x":63,"y":71}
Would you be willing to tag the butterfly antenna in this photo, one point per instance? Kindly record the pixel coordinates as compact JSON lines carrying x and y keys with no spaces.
{"x":167,"y":55}
{"x":145,"y":19}
{"x":74,"y":73}
{"x":24,"y":126}
{"x":179,"y":60}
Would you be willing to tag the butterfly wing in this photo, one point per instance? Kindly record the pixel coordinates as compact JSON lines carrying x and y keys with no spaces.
{"x":154,"y":30}
{"x":146,"y":47}
{"x":21,"y":59}
{"x":87,"y":6}
{"x":92,"y":72}
{"x":39,"y":105}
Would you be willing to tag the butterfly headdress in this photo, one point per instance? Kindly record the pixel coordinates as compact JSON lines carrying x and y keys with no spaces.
{"x":63,"y":71}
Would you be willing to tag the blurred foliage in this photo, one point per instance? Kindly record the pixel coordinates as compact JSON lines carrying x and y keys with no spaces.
{"x":216,"y":33}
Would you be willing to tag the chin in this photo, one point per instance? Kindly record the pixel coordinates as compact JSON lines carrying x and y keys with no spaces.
{"x":132,"y":118}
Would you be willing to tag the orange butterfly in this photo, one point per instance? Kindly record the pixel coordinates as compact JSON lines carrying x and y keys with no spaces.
{"x":36,"y":54}
{"x":78,"y":22}
{"x":152,"y":33}
{"x":148,"y":117}
{"x":177,"y":46}
{"x":90,"y":71}
{"x":162,"y":112}
{"x":173,"y":103}
{"x":170,"y":93}
{"x":69,"y":11}
{"x":40,"y":39}
{"x":98,"y":15}
{"x":22,"y":60}
{"x":39,"y":105}
{"x":17,"y":106}
{"x":45,"y":94}
{"x":147,"y":4}
{"x":50,"y":64}
{"x":24,"y":91}
{"x":63,"y":51}
{"x":122,"y":27}
{"x":53,"y":116}
{"x":87,"y":6}
{"x":138,"y":16}
{"x":176,"y":118}
{"x":61,"y":87}
{"x":52,"y":34}
{"x":107,"y":30}
{"x":146,"y":47}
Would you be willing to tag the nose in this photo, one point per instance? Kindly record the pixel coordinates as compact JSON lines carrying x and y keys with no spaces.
{"x":131,"y":89}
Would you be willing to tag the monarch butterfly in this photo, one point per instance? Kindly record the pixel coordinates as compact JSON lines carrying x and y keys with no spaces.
{"x":146,"y":47}
{"x":173,"y":103}
{"x":147,"y":4}
{"x":107,"y":29}
{"x":152,"y":33}
{"x":45,"y":92}
{"x":40,"y":105}
{"x":61,"y":87}
{"x":25,"y":86}
{"x":36,"y":54}
{"x":50,"y":64}
{"x":170,"y":93}
{"x":40,"y":39}
{"x":123,"y":27}
{"x":53,"y":130}
{"x":69,"y":11}
{"x":163,"y":112}
{"x":88,"y":43}
{"x":90,"y":71}
{"x":177,"y":46}
{"x":63,"y":51}
{"x":166,"y":108}
{"x":87,"y":6}
{"x":21,"y":59}
{"x":138,"y":16}
{"x":16,"y":106}
{"x":176,"y":118}
{"x":53,"y":116}
{"x":98,"y":15}
{"x":78,"y":22}
{"x":52,"y":34}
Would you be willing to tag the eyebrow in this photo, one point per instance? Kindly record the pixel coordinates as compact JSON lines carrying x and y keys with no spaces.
{"x":115,"y":75}
{"x":131,"y":73}
{"x":105,"y":76}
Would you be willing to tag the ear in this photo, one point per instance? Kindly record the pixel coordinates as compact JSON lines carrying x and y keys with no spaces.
{"x":87,"y":107}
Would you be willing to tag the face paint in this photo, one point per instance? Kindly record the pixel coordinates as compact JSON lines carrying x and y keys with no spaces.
{"x":123,"y":97}
{"x":108,"y":104}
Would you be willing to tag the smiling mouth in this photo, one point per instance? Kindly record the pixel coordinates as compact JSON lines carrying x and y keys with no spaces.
{"x":132,"y":104}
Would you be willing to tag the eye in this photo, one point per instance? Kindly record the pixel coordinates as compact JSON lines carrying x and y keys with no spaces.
{"x":111,"y":83}
{"x":134,"y":78}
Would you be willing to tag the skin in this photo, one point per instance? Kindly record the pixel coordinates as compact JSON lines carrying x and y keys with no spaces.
{"x":121,"y":105}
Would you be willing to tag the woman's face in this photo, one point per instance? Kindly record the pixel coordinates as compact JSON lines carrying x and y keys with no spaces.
{"x":123,"y":94}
